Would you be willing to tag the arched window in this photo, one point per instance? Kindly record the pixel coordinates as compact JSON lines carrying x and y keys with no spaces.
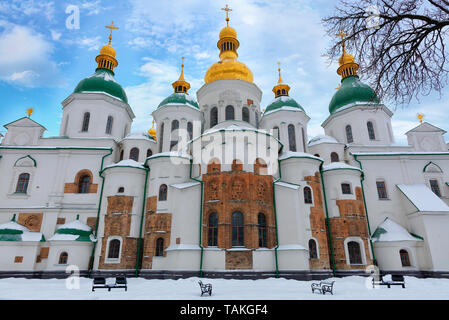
{"x":262,"y":227}
{"x":307,"y":195}
{"x":83,"y":184}
{"x":237,"y":229}
{"x":405,"y":259}
{"x":174,"y":125}
{"x":213,"y":116}
{"x":22,"y":183}
{"x":334,"y":157}
{"x":114,"y":249}
{"x":230,"y":113}
{"x":163,"y":192}
{"x":316,"y":155}
{"x":276,"y":132}
{"x":159,"y":247}
{"x":149,"y":153}
{"x":370,"y":127}
{"x":291,"y":137}
{"x":349,"y":137}
{"x":435,"y":187}
{"x":134,"y":154}
{"x":174,"y":137}
{"x":109,"y":125}
{"x":63,"y":257}
{"x":355,"y":255}
{"x":381,"y":190}
{"x":245,"y":114}
{"x":86,"y":119}
{"x":190,"y":130}
{"x":313,"y":252}
{"x":283,"y":91}
{"x":121,"y":190}
{"x":212,"y":239}
{"x":161,"y":137}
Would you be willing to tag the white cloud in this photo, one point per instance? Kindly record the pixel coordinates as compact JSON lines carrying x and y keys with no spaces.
{"x":91,"y":44}
{"x":25,"y":58}
{"x":55,"y":35}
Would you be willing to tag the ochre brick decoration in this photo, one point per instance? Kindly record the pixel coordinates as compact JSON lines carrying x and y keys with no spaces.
{"x":44,"y":253}
{"x":38,"y":259}
{"x":18,"y":259}
{"x":117,"y":222}
{"x":92,"y":222}
{"x":230,"y":191}
{"x":214,"y":166}
{"x":32,"y":221}
{"x":239,"y":260}
{"x":74,"y":187}
{"x":151,"y":204}
{"x":351,"y":223}
{"x":318,"y":224}
{"x":157,"y":225}
{"x":60,"y":221}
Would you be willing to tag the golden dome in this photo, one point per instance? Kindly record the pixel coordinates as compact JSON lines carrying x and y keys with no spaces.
{"x":108,"y":50}
{"x":228,"y":32}
{"x":346,"y":58}
{"x":152,"y":132}
{"x":228,"y":69}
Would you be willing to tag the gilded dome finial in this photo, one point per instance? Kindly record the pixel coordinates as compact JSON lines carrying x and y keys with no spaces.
{"x":181,"y":85}
{"x":29,"y":111}
{"x":227,"y":9}
{"x":420,"y":117}
{"x":347,"y":65}
{"x":106,"y":58}
{"x":152,"y":131}
{"x":281,"y":89}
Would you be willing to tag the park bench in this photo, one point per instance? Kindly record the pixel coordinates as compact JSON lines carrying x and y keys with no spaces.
{"x":205,"y":288}
{"x":396,"y":280}
{"x":323,"y":287}
{"x":100,"y":283}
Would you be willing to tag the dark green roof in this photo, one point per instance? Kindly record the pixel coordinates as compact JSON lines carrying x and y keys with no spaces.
{"x":76,"y":228}
{"x":283,"y":101}
{"x":352,"y":90}
{"x":102,"y":81}
{"x":179,"y":98}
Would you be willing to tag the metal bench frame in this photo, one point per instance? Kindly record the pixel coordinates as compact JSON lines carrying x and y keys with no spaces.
{"x":323,"y":287}
{"x":100,"y":283}
{"x":205,"y":288}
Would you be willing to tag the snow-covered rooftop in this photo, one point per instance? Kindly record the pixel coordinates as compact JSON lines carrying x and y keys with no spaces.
{"x":77,"y":225}
{"x":126,"y":163}
{"x":291,"y":154}
{"x":423,"y":198}
{"x":339,"y":165}
{"x":392,"y":231}
{"x":288,"y":185}
{"x":321,"y":139}
{"x":185,"y":185}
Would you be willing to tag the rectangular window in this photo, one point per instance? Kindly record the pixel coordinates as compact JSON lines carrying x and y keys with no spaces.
{"x":346,"y":188}
{"x":381,"y":190}
{"x":435,"y":187}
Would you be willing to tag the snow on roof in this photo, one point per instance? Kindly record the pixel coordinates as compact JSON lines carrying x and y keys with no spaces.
{"x":183,"y":247}
{"x":339,"y":165}
{"x":77,"y":225}
{"x":321,"y":139}
{"x":31,"y":236}
{"x":423,"y":198}
{"x":170,"y":154}
{"x":291,"y":154}
{"x":184,"y":185}
{"x":126,"y":163}
{"x":138,"y":136}
{"x":398,"y":153}
{"x":288,"y":185}
{"x":283,"y":108}
{"x":392,"y":231}
{"x":12,"y":225}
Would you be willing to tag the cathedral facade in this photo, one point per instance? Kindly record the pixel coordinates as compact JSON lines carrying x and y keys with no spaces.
{"x":222,"y":188}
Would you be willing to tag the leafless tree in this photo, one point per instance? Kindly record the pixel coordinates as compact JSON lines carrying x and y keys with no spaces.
{"x":399,"y":44}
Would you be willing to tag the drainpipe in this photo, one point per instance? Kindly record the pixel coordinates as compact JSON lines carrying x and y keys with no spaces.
{"x":275,"y":220}
{"x":92,"y":257}
{"x":141,"y":221}
{"x":201,"y":218}
{"x":362,"y":178}
{"x":327,"y":220}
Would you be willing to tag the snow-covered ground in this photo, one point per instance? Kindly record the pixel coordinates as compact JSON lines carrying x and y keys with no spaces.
{"x":188,"y":289}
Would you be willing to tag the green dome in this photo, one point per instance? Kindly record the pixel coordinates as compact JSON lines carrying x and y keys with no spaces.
{"x":282,"y":101}
{"x":179,"y":98}
{"x":352,"y":90}
{"x":102,"y":81}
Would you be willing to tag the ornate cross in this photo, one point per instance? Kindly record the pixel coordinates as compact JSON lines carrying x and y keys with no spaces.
{"x":342,"y":35}
{"x":111,"y":27}
{"x":227,"y":9}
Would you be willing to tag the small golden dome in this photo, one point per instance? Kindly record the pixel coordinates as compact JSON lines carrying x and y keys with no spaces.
{"x":108,"y":50}
{"x":228,"y":69}
{"x":228,"y":32}
{"x":346,"y":58}
{"x":152,"y":132}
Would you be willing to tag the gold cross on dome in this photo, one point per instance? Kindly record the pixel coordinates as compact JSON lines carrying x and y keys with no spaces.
{"x":342,"y":35}
{"x":227,"y":9}
{"x":111,"y":27}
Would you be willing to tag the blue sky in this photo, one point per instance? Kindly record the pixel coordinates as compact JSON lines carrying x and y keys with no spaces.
{"x":41,"y":60}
